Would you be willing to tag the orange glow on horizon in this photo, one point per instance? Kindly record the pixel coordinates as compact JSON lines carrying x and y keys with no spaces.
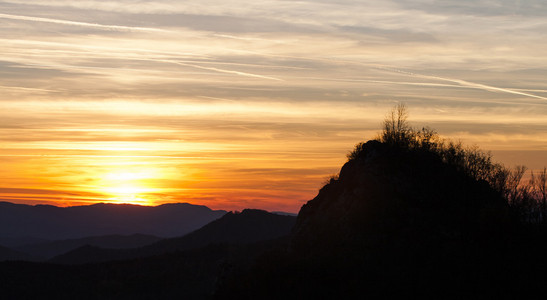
{"x":102,"y":102}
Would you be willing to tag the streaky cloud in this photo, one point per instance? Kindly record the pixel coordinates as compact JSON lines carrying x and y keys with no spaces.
{"x":227,"y":71}
{"x":24,"y":89}
{"x":83,"y":24}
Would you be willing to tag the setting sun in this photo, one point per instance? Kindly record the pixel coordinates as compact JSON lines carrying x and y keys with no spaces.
{"x":128,"y":186}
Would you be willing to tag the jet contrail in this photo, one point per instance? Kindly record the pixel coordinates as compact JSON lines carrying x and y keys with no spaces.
{"x":477,"y":85}
{"x":83,"y":24}
{"x":225,"y":71}
{"x":459,"y":82}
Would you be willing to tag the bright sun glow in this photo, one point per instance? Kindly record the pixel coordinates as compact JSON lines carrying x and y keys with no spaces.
{"x":128,"y":186}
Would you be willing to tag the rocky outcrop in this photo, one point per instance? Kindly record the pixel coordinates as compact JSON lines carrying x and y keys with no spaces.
{"x":390,"y":195}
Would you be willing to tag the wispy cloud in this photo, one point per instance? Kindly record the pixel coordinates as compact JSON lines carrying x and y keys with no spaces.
{"x":228,"y":71}
{"x":24,"y":89}
{"x":82,"y":24}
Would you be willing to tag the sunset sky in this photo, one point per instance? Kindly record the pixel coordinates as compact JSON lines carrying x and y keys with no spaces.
{"x":235,"y":104}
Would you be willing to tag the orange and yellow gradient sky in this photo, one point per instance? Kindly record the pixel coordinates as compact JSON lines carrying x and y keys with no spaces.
{"x":236,"y":104}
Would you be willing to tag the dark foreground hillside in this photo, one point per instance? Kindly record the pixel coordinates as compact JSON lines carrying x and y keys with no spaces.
{"x":401,"y":221}
{"x":191,"y":274}
{"x":189,"y":267}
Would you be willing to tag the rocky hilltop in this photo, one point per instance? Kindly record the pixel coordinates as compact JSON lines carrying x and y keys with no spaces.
{"x":409,"y":215}
{"x":389,"y":194}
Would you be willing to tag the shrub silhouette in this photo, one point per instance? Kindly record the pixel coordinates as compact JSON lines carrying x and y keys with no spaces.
{"x":528,"y":200}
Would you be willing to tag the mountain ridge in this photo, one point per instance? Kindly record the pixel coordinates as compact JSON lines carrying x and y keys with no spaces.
{"x":247,"y":226}
{"x":57,"y":223}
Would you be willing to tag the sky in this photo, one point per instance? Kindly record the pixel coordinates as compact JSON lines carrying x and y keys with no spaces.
{"x":237,"y":104}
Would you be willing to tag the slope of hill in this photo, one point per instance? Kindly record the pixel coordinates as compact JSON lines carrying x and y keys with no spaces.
{"x":388,"y":193}
{"x":248,"y":226}
{"x":54,"y":248}
{"x":402,"y":222}
{"x":57,"y":223}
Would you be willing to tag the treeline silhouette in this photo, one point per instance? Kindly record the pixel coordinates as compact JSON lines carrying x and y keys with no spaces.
{"x":527,"y":199}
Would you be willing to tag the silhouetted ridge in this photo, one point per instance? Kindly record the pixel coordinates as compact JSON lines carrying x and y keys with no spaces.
{"x":250,"y":225}
{"x":58,"y":223}
{"x":389,"y":191}
{"x":244,"y":227}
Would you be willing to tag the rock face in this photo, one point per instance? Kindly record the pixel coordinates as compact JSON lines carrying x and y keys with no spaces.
{"x":396,"y":222}
{"x":390,"y":196}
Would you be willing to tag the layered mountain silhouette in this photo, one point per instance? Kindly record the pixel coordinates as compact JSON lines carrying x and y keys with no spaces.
{"x":248,"y":226}
{"x":59,"y":223}
{"x":189,"y":267}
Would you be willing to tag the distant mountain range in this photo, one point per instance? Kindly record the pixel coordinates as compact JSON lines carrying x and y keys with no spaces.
{"x":30,"y":230}
{"x":21,"y":224}
{"x":187,"y":267}
{"x":248,"y":226}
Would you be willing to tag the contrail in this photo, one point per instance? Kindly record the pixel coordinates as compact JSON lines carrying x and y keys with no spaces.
{"x":459,"y":82}
{"x":388,"y":82}
{"x":482,"y":86}
{"x":465,"y":83}
{"x":83,"y":24}
{"x":226,"y":71}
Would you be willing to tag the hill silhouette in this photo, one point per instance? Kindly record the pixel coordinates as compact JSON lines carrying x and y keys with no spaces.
{"x":59,"y":223}
{"x":248,"y":226}
{"x":406,"y":216}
